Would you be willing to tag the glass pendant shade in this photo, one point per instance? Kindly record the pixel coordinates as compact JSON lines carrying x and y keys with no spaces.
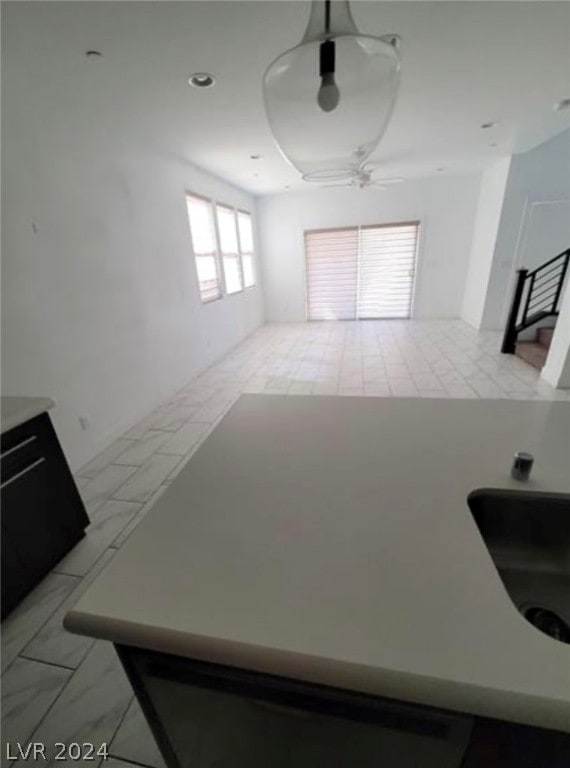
{"x":329,"y":99}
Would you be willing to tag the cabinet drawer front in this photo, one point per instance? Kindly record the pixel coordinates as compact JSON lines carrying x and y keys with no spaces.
{"x":21,"y":474}
{"x":25,"y":441}
{"x":22,"y":446}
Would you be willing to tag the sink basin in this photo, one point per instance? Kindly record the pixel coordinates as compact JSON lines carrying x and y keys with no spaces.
{"x":528,"y":537}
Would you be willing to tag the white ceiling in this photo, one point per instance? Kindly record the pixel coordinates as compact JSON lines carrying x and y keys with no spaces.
{"x":464,"y":63}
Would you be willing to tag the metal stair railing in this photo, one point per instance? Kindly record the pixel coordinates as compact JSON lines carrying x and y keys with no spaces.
{"x":541,"y":290}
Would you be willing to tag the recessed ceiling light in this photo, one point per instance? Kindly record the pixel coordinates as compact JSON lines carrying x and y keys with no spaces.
{"x":287,"y":186}
{"x":93,"y":54}
{"x":493,"y":144}
{"x":256,"y":157}
{"x":441,"y":169}
{"x":202,"y":80}
{"x":490,"y":124}
{"x":562,"y":104}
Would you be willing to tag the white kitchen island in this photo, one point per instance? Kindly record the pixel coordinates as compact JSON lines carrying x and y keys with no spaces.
{"x":328,"y":540}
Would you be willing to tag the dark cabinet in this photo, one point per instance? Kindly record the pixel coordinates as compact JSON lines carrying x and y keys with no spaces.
{"x":42,"y":514}
{"x":205,"y":715}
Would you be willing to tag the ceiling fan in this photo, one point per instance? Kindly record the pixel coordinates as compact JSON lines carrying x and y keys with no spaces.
{"x":364,"y":178}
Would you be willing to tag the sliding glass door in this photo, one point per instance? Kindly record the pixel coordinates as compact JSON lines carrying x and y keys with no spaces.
{"x":361,"y":272}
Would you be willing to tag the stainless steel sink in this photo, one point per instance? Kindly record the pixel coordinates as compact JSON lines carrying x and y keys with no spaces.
{"x":528,"y":537}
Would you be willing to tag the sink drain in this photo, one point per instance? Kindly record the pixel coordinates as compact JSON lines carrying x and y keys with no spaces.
{"x":548,"y":622}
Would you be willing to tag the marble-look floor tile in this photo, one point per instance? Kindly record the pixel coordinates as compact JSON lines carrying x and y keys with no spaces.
{"x":29,"y":688}
{"x":147,"y":478}
{"x":134,"y":741}
{"x":103,"y":486}
{"x":22,"y":624}
{"x":418,"y":366}
{"x":194,"y":397}
{"x":90,"y":707}
{"x":397,"y":371}
{"x":426,"y":381}
{"x":486,"y":389}
{"x":142,"y":449}
{"x":53,"y":643}
{"x":402,"y":386}
{"x":276,"y":389}
{"x":254,"y":388}
{"x":351,"y":390}
{"x":214,"y":408}
{"x":103,"y":459}
{"x":178,"y":469}
{"x":181,"y":442}
{"x":461,"y":391}
{"x":378,"y":390}
{"x":325,"y":388}
{"x":139,"y":429}
{"x":173,"y":417}
{"x":126,"y":532}
{"x":433,"y":393}
{"x":106,"y":524}
{"x":301,"y":388}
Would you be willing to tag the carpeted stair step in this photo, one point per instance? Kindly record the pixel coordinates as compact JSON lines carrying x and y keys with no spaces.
{"x":544,"y":336}
{"x":532,"y":352}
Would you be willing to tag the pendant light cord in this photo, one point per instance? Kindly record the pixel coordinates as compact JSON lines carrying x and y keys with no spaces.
{"x":327,"y":15}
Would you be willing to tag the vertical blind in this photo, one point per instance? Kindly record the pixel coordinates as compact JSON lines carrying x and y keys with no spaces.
{"x":361,"y":272}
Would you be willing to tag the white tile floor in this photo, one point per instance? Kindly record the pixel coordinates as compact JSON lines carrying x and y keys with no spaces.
{"x":59,"y":687}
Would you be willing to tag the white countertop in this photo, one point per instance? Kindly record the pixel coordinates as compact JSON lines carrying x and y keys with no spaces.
{"x":17,"y":410}
{"x":328,"y":539}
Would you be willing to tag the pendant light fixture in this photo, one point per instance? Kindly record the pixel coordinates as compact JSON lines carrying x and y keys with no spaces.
{"x":329,"y":99}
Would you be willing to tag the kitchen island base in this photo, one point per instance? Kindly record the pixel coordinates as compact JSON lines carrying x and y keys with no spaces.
{"x":205,"y":715}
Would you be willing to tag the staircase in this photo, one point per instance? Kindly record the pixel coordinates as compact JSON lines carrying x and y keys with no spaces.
{"x":537,"y":297}
{"x":535,"y":352}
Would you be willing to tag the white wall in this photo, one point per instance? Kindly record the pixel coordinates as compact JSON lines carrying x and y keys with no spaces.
{"x":444,"y":205}
{"x":100,"y":303}
{"x":489,"y":207}
{"x":540,"y":175}
{"x":557,"y":368}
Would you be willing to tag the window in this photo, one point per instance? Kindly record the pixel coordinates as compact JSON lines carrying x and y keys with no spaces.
{"x":231,"y":239}
{"x":203,"y":234}
{"x":229,"y":248}
{"x":387,"y":262}
{"x":245,"y":229}
{"x":361,"y":272}
{"x":332,"y":274}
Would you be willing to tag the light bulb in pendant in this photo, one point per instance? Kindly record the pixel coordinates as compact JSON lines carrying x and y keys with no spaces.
{"x":329,"y":94}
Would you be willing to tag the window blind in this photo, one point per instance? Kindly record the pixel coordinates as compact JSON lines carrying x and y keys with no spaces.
{"x":229,"y":248}
{"x":361,"y":272}
{"x":387,"y":261}
{"x":332,"y":274}
{"x":245,"y":229}
{"x":203,"y":233}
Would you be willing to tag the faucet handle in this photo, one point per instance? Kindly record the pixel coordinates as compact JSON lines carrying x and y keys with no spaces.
{"x":522,"y":465}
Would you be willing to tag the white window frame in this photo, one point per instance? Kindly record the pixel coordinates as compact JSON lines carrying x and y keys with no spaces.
{"x":218,"y":204}
{"x":214,"y":204}
{"x":247,"y":253}
{"x":215,"y":253}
